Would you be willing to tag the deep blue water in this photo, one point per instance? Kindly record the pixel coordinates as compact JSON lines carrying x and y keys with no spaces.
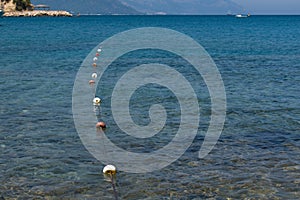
{"x":256,"y":157}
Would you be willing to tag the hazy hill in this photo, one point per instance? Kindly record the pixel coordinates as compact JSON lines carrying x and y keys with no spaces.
{"x":184,"y":6}
{"x":88,"y":6}
{"x":143,"y":6}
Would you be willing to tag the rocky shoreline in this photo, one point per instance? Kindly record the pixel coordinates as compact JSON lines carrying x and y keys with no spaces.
{"x":37,"y":13}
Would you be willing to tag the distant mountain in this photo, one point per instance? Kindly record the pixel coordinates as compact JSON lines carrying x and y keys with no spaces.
{"x":89,"y":6}
{"x":184,"y":6}
{"x":195,"y":7}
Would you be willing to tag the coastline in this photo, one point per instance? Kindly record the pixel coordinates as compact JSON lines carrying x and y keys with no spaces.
{"x":37,"y":13}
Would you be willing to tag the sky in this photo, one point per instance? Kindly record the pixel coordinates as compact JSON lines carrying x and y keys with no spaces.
{"x":270,"y":6}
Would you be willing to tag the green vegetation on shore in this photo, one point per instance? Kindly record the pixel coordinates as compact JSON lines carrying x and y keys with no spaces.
{"x":20,"y":4}
{"x":24,"y":8}
{"x":23,"y":5}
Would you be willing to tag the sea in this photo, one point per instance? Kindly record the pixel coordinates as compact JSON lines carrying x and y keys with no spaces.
{"x":257,"y":156}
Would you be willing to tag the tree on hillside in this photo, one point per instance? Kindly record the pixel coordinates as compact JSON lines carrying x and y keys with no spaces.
{"x":20,"y":4}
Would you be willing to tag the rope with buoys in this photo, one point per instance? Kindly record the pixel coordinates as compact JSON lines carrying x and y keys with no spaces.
{"x":109,"y":171}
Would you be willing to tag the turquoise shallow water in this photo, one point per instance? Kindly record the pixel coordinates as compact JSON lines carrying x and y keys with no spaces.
{"x":256,"y":157}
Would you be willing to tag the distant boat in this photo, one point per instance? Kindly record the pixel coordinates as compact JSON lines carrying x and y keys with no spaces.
{"x":242,"y":15}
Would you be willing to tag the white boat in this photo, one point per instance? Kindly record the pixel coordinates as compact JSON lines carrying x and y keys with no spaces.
{"x":242,"y":15}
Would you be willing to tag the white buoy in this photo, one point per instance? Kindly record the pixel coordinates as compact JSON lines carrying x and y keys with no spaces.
{"x":109,"y":172}
{"x":96,"y":101}
{"x":95,"y":59}
{"x":109,"y":169}
{"x":94,"y":75}
{"x":99,"y":50}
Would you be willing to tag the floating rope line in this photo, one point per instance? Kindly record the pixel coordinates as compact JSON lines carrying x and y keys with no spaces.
{"x":109,"y":171}
{"x":114,"y":187}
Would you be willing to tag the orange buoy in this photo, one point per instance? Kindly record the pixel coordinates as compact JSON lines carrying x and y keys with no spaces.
{"x":91,"y":82}
{"x":94,"y":64}
{"x":101,"y":125}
